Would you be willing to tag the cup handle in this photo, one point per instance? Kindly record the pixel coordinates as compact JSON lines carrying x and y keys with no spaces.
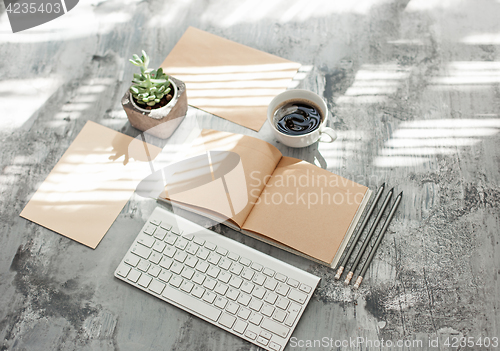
{"x":330,"y":132}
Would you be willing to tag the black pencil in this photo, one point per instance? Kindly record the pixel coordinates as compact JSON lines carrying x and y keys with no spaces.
{"x":377,"y":243}
{"x":368,"y":237}
{"x":340,"y":270}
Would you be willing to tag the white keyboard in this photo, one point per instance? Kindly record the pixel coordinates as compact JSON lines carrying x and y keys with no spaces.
{"x":228,"y":284}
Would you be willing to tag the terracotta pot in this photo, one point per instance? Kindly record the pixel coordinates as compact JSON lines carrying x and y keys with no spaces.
{"x":160,"y":122}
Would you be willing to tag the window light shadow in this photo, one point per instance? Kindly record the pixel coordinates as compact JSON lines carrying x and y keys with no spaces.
{"x":414,"y":142}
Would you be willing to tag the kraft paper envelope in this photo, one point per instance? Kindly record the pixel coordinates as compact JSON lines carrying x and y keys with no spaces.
{"x":88,"y":187}
{"x":230,"y":80}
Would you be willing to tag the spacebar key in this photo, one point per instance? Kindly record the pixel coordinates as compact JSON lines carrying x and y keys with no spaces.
{"x":191,"y":304}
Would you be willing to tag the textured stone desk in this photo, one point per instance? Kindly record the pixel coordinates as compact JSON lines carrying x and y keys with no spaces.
{"x":414,"y":91}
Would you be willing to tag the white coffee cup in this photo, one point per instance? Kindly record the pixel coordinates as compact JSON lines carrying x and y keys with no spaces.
{"x":304,"y":139}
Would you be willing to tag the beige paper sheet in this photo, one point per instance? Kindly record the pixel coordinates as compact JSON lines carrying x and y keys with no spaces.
{"x":230,"y":80}
{"x":243,"y":183}
{"x":88,"y":187}
{"x":306,"y":208}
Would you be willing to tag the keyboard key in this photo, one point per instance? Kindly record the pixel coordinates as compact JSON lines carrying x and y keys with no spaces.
{"x":292,"y":315}
{"x":144,"y":280}
{"x":203,"y":253}
{"x":224,"y":277}
{"x":191,"y":261}
{"x":188,"y":236}
{"x":244,"y":313}
{"x":275,"y":328}
{"x":123,"y":270}
{"x":259,"y":279}
{"x":165,"y":225}
{"x":141,"y":250}
{"x":213,"y":272}
{"x":247,"y":287}
{"x":132,"y":260}
{"x":171,"y":239}
{"x":269,"y":272}
{"x":255,"y":318}
{"x":256,"y":304}
{"x":274,"y":346}
{"x":244,"y":299}
{"x":160,"y":233}
{"x":267,"y":310}
{"x":236,"y":269}
{"x":209,"y":283}
{"x":149,"y":229}
{"x":265,"y":334}
{"x":227,"y":320}
{"x":232,"y":307}
{"x":250,"y":334}
{"x":146,"y":240}
{"x":187,"y":273}
{"x":198,"y":278}
{"x":256,"y":266}
{"x":165,"y":275}
{"x":166,"y":262}
{"x":187,"y":286}
{"x":155,"y":221}
{"x":262,"y":341}
{"x":181,"y":243}
{"x":247,"y":274}
{"x":154,"y":270}
{"x":270,"y":298}
{"x":143,"y":265}
{"x":282,"y":289}
{"x":297,"y":296}
{"x":220,"y":302}
{"x":176,"y":268}
{"x":192,"y":248}
{"x":176,"y":231}
{"x":293,"y":283}
{"x":233,"y":256}
{"x":213,"y":258}
{"x":156,"y":287}
{"x":225,"y":263}
{"x":198,"y":291}
{"x":202,"y":266}
{"x":271,"y":284}
{"x":232,"y":294}
{"x":305,"y":288}
{"x":245,"y":261}
{"x":159,"y":246}
{"x":155,"y":257}
{"x":259,"y":292}
{"x":240,"y":327}
{"x":221,"y":251}
{"x":169,"y":251}
{"x":175,"y":281}
{"x":198,"y":240}
{"x":191,"y":303}
{"x":210,"y":246}
{"x":279,"y":315}
{"x":209,"y":296}
{"x":180,"y":256}
{"x":221,"y":288}
{"x":282,"y":303}
{"x":235,"y":282}
{"x":280,"y":277}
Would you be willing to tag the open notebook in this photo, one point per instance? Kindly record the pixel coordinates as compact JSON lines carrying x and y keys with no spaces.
{"x":247,"y":184}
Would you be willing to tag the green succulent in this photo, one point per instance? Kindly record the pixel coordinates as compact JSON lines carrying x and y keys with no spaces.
{"x":151,"y":85}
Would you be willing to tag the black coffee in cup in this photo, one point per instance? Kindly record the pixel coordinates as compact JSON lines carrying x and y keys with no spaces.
{"x":297,"y":117}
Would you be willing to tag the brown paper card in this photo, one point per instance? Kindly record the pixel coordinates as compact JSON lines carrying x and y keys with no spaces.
{"x":306,"y":208}
{"x":230,"y":80}
{"x":88,"y":187}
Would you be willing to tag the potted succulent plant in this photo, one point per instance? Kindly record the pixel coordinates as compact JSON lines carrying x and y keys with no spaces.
{"x":155,"y":103}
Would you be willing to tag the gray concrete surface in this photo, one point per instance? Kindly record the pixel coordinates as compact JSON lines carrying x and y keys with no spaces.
{"x":414,"y":90}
